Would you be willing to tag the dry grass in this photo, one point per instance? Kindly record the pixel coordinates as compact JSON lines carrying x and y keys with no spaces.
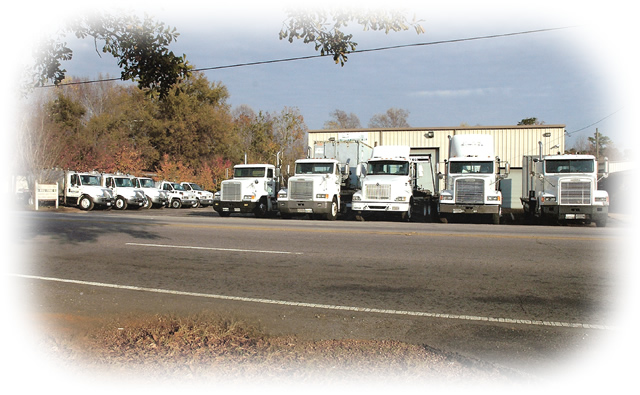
{"x":205,"y":347}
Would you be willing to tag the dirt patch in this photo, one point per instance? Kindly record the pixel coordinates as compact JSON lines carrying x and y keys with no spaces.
{"x":205,"y":347}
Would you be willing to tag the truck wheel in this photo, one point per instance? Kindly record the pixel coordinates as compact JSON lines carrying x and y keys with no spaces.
{"x":333,"y":213}
{"x":197,"y":204}
{"x":121,"y":203}
{"x":176,"y":203}
{"x":147,"y":202}
{"x":601,"y":223}
{"x":86,"y":203}
{"x":406,"y":216}
{"x":261,"y":209}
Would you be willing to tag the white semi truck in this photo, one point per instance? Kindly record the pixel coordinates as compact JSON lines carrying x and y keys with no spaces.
{"x":563,"y":188}
{"x":126,"y":195}
{"x":252,"y":189}
{"x":83,"y":190}
{"x":154,"y":197}
{"x":323,"y":184}
{"x":397,"y":184}
{"x":472,"y":178}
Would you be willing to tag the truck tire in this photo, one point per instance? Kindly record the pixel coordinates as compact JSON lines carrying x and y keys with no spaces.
{"x":601,"y":223}
{"x":147,"y":202}
{"x":121,"y":203}
{"x":85,"y":203}
{"x":261,"y":209}
{"x":333,"y":211}
{"x":176,"y":203}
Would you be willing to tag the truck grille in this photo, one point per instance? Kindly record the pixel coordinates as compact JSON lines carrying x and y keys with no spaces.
{"x":377,"y":192}
{"x":301,"y":190}
{"x":470,"y":191}
{"x":572,"y":192}
{"x":232,"y":192}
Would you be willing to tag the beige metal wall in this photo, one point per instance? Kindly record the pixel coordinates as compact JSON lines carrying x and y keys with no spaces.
{"x":511,"y":143}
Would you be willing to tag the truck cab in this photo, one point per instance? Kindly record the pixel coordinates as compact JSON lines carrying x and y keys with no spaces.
{"x":154,"y":197}
{"x":204,"y":198}
{"x":252,"y":189}
{"x":564,"y":188}
{"x":84,"y":190}
{"x":472,"y":179}
{"x":177,"y":196}
{"x":126,"y":195}
{"x":314,"y":189}
{"x":387,"y":187}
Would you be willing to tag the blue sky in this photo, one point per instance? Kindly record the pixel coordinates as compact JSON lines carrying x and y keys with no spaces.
{"x":567,"y":76}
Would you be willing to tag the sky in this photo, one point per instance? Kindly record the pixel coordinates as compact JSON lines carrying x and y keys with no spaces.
{"x":569,"y":76}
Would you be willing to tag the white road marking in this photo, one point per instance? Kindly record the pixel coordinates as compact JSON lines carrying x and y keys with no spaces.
{"x":213,"y":248}
{"x":325,"y":306}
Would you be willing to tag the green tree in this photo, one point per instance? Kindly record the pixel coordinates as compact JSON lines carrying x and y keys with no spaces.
{"x":393,"y":118}
{"x":531,"y":121}
{"x":140,"y":47}
{"x":325,"y":29}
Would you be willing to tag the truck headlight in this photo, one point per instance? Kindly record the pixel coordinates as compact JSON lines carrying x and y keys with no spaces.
{"x":322,"y":196}
{"x":603,"y":199}
{"x":401,"y":199}
{"x":248,"y":197}
{"x":493,"y":198}
{"x":548,"y":199}
{"x":446,"y":197}
{"x":356,"y":198}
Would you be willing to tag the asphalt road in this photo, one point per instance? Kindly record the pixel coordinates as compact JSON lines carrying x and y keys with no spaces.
{"x":526,"y":297}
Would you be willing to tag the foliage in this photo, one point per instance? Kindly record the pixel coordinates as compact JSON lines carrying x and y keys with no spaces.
{"x":194,"y":136}
{"x":531,"y":121}
{"x":140,"y":47}
{"x":393,"y":118}
{"x":325,"y":28}
{"x":341,"y":120}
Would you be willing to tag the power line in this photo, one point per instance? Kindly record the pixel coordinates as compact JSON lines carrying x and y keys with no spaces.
{"x":595,"y":123}
{"x":262,"y":62}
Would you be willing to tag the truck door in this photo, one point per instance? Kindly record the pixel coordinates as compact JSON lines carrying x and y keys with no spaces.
{"x":427,"y":179}
{"x":73,"y":187}
{"x":271,"y":183}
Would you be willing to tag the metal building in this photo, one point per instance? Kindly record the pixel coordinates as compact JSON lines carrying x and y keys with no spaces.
{"x":511,"y":143}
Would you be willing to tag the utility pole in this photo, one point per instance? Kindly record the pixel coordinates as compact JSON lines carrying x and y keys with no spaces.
{"x":597,"y":145}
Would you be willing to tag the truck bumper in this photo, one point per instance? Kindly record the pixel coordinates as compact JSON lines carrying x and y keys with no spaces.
{"x":397,"y":207}
{"x":234,"y":207}
{"x":135,"y":202}
{"x":469,"y":208}
{"x":104,"y":202}
{"x":164,"y":202}
{"x":593,"y":213}
{"x":304,"y":207}
{"x":206,"y":202}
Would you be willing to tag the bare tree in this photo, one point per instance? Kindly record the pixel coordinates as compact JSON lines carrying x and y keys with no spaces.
{"x":342,"y":120}
{"x":393,"y":118}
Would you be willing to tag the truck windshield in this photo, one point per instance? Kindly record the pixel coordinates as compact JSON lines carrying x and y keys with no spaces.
{"x":398,"y":168}
{"x":90,"y":180}
{"x":124,"y":182}
{"x":471,"y":167}
{"x":253,"y":172}
{"x":146,"y":183}
{"x":569,"y":166}
{"x":314,"y":168}
{"x":178,"y":187}
{"x":195,"y":187}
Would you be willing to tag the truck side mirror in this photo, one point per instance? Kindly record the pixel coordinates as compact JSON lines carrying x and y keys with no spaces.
{"x":440,"y":176}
